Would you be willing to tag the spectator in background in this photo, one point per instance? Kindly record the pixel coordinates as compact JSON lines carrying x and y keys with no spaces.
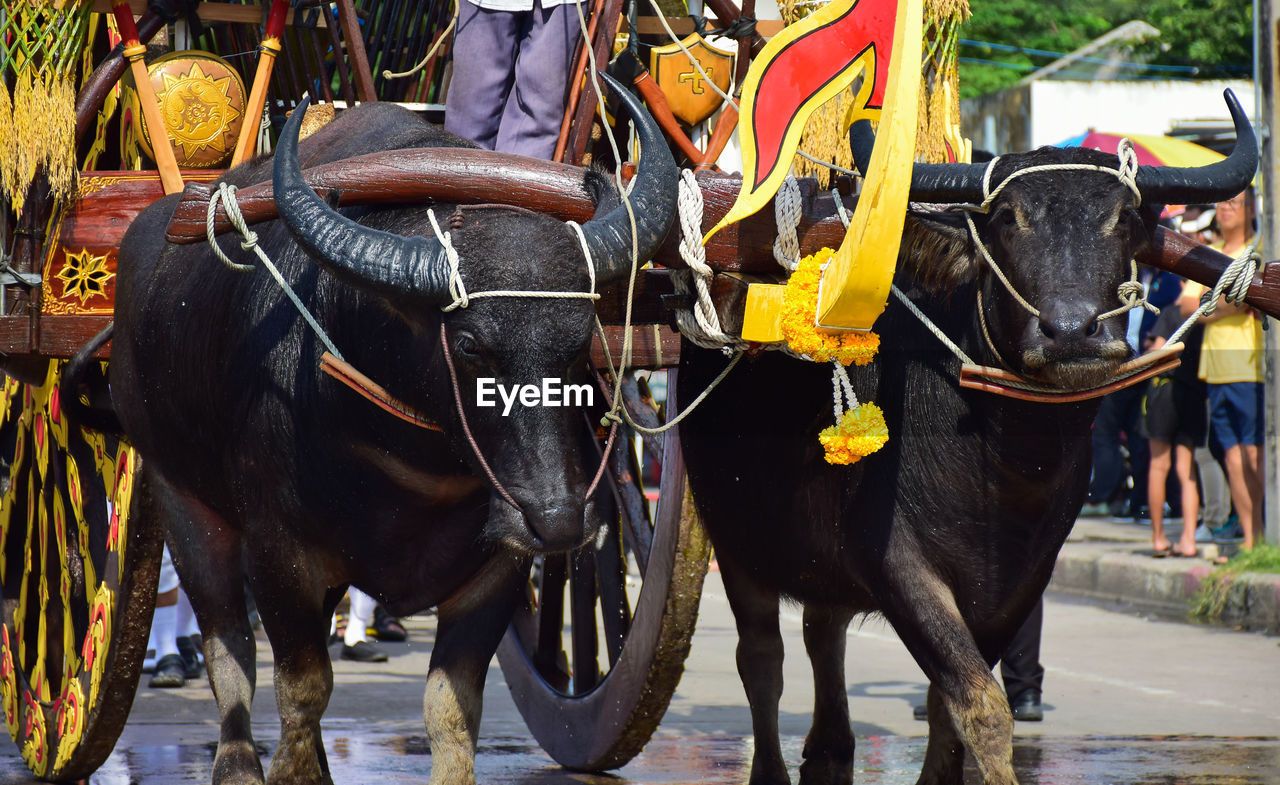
{"x":1175,"y":425}
{"x":1231,"y":365}
{"x":511,"y":73}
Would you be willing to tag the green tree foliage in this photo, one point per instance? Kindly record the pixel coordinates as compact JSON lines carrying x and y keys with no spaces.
{"x":1213,"y":37}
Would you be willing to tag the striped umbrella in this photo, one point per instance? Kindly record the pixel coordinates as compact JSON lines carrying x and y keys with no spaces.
{"x":1151,"y":150}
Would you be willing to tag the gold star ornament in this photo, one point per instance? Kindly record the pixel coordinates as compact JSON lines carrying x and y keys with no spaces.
{"x":84,"y":275}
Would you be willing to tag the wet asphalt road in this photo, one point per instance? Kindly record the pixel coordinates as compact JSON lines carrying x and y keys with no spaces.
{"x":1129,"y":701}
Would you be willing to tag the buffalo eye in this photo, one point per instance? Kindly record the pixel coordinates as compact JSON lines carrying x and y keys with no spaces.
{"x":466,"y":346}
{"x":1005,"y":217}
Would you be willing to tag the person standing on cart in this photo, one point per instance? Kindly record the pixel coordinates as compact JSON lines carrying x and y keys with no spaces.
{"x":511,"y":73}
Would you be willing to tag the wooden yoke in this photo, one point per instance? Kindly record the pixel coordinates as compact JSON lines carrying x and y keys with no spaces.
{"x":134,"y":50}
{"x":246,"y":145}
{"x":1179,"y":254}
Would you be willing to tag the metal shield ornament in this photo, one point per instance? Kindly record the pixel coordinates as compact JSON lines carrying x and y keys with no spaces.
{"x":691,"y":99}
{"x":202,"y":101}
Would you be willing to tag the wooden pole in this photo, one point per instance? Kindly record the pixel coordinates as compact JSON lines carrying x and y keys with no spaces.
{"x":134,"y":50}
{"x":1267,"y":116}
{"x":246,"y":144}
{"x":355,"y":50}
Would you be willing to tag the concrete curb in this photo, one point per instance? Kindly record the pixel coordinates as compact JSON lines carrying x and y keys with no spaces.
{"x":1124,"y":572}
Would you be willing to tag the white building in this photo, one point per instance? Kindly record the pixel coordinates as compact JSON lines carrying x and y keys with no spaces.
{"x":1048,"y":111}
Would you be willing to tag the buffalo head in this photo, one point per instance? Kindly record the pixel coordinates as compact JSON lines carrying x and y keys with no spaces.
{"x":515,"y":340}
{"x":1063,"y":237}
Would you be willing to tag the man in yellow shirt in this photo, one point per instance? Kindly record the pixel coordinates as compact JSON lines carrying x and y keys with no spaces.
{"x":1231,"y":366}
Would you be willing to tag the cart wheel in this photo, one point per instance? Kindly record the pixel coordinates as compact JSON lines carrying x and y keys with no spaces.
{"x":593,"y":684}
{"x":78,"y":581}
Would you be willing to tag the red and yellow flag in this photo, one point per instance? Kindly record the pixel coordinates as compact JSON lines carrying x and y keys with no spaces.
{"x":801,"y":68}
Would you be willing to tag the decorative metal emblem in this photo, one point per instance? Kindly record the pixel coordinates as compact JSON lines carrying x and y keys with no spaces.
{"x":202,"y":100}
{"x":692,"y":100}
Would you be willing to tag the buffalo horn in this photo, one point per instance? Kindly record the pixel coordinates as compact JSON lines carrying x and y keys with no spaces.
{"x":1216,"y":182}
{"x":950,"y":183}
{"x":380,"y":261}
{"x":653,"y":199}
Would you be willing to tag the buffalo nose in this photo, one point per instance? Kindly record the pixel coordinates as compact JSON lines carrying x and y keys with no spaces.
{"x":1063,"y":323}
{"x":558,"y":527}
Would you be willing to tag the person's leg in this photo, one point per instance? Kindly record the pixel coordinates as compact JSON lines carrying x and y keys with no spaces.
{"x":1108,"y":465}
{"x":356,"y":645}
{"x":1157,"y":474}
{"x":1020,"y":668}
{"x":535,"y":106}
{"x":1213,"y":489}
{"x":1241,"y":496}
{"x":484,"y":46}
{"x":1184,"y":465}
{"x":170,"y":671}
{"x":1252,"y":439}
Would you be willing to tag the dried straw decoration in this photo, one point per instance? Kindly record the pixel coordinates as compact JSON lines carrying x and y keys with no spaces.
{"x":45,"y":40}
{"x":939,"y":93}
{"x":940,"y":77}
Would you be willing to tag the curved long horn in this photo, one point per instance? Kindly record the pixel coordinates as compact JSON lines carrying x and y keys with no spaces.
{"x":1164,"y":184}
{"x":653,"y":199}
{"x":368,"y":258}
{"x":1215,"y":182}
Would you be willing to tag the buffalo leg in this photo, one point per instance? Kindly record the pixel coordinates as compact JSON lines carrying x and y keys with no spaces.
{"x":469,"y":627}
{"x":291,"y":598}
{"x":755,"y":611}
{"x":922,"y":609}
{"x":944,"y":757}
{"x":828,"y":749}
{"x":207,"y":555}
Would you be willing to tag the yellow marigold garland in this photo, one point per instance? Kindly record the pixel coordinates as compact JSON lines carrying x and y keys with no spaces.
{"x":799,"y":311}
{"x":859,"y":431}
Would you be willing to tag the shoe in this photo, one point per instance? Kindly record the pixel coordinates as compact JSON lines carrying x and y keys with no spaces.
{"x":921,"y":712}
{"x":191,"y":663}
{"x":386,"y":627}
{"x":1026,"y":707}
{"x":1231,"y":530}
{"x":1099,"y":510}
{"x":363,"y":651}
{"x":1203,"y":534}
{"x":170,"y":672}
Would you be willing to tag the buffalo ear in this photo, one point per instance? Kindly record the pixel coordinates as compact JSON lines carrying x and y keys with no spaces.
{"x":937,"y":251}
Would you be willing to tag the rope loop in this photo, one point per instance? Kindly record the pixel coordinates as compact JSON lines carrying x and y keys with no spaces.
{"x":787,"y":209}
{"x":227,"y":195}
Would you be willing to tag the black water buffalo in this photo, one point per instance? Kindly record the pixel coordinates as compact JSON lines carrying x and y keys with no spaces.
{"x":252,"y":456}
{"x":951,"y":530}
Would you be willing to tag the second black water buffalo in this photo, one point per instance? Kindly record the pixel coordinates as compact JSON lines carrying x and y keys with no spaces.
{"x":950,"y":530}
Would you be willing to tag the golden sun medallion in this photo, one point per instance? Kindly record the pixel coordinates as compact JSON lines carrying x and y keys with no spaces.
{"x":202,"y":100}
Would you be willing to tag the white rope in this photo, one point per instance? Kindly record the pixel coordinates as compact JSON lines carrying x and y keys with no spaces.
{"x":462,"y":298}
{"x":227,"y":194}
{"x":702,"y":324}
{"x":1130,"y":293}
{"x":1232,"y":286}
{"x":842,"y":395}
{"x":787,"y":210}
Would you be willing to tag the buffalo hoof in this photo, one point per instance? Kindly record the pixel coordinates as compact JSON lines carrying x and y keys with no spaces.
{"x":237,"y":763}
{"x":827,"y":768}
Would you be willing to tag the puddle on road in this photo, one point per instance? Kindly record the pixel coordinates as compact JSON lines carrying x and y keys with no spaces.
{"x":717,"y":760}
